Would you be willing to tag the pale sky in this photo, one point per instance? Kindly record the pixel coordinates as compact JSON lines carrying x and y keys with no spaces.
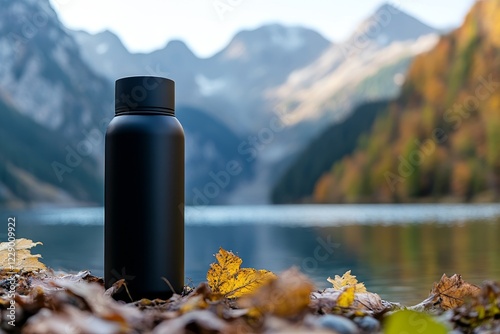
{"x":208,"y":25}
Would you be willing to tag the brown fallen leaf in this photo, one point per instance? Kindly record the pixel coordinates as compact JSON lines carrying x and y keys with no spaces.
{"x":286,"y":296}
{"x":346,"y":280}
{"x":19,"y":257}
{"x":448,"y":293}
{"x":227,"y":279}
{"x":70,"y":304}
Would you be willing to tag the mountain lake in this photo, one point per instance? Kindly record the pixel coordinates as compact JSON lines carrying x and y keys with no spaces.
{"x":398,"y":251}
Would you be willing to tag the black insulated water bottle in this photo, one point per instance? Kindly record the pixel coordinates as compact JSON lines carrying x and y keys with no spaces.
{"x":144,"y":191}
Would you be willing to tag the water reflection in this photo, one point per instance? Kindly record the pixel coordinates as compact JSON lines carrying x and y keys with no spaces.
{"x":397,"y":258}
{"x":400,"y":261}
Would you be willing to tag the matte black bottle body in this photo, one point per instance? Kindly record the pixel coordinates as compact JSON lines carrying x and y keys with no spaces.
{"x":144,"y":204}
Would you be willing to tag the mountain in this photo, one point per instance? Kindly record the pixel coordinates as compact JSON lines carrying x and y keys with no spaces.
{"x":388,"y":24}
{"x":42,"y":73}
{"x":230,"y":84}
{"x":101,"y":51}
{"x":439,"y":140}
{"x":36,"y":167}
{"x":335,"y":83}
{"x":369,"y":66}
{"x":106,"y":55}
{"x":255,"y":62}
{"x":50,"y":101}
{"x":54,"y":110}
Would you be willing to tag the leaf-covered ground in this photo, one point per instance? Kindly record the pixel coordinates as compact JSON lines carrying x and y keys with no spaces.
{"x":34,"y":299}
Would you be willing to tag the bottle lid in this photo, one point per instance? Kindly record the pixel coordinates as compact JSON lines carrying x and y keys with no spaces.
{"x":145,"y":94}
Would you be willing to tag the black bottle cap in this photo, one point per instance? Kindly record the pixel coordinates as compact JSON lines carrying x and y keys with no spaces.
{"x":145,"y":94}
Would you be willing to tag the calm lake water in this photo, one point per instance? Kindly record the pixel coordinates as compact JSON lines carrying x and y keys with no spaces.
{"x":397,"y":250}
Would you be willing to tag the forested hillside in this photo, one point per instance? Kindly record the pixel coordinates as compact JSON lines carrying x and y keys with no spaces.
{"x":440,"y":140}
{"x":336,"y":142}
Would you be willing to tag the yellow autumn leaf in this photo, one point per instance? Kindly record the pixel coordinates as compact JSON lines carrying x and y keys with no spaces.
{"x":347,"y":280}
{"x":19,"y":257}
{"x":346,"y":298}
{"x":226,"y":278}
